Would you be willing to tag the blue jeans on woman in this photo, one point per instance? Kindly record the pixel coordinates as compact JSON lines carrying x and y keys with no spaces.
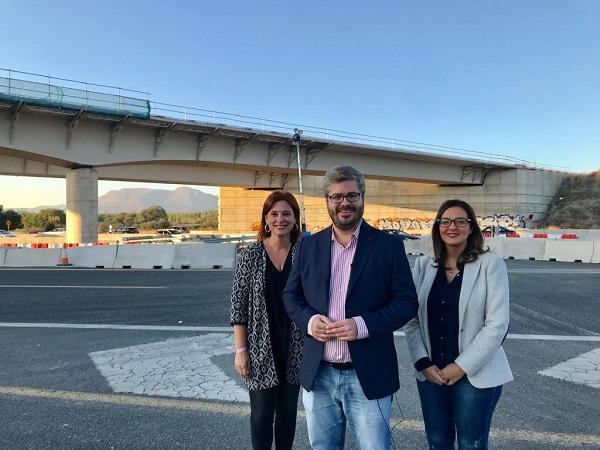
{"x":460,"y":409}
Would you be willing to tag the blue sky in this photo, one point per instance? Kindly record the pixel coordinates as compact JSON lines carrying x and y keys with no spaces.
{"x":514,"y":78}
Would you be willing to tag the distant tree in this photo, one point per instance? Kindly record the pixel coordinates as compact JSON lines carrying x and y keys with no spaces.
{"x":10,"y":215}
{"x":152,"y":214}
{"x":204,"y":220}
{"x":47,"y":219}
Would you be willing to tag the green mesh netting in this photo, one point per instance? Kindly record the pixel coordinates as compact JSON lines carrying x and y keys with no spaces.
{"x":50,"y":95}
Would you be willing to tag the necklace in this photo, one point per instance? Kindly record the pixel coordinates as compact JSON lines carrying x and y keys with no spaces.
{"x":452,"y":270}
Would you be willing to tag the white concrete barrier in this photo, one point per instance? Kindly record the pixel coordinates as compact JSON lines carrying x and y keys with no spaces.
{"x":596,"y":254}
{"x":521,"y":248}
{"x":93,"y":256}
{"x":32,"y":257}
{"x":412,"y":247}
{"x":425,"y":245}
{"x":420,"y":246}
{"x":496,"y":244}
{"x":204,"y":256}
{"x":569,"y":250}
{"x":145,"y":256}
{"x":2,"y":256}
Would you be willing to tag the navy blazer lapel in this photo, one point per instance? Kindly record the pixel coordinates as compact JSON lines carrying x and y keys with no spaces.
{"x":366,"y":239}
{"x":323,"y":254}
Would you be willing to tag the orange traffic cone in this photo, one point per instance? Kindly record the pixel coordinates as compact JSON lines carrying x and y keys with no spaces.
{"x":64,"y":261}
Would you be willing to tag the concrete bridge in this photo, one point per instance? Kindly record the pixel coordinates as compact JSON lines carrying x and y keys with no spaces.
{"x":85,"y":143}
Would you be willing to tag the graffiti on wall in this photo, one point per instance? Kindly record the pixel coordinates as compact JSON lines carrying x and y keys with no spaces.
{"x":425,"y":224}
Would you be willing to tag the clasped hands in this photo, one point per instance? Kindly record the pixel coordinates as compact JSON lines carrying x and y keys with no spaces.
{"x":324,"y":329}
{"x":448,"y":375}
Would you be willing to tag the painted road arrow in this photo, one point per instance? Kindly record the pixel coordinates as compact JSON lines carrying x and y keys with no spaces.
{"x":173,"y":368}
{"x":583,"y":369}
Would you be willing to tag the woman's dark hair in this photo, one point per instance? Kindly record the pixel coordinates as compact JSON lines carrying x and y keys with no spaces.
{"x":273,"y":198}
{"x":474,"y":246}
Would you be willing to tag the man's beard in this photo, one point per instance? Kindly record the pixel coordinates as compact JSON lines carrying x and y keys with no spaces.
{"x":346,"y":224}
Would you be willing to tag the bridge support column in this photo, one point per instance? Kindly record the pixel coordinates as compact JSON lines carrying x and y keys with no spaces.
{"x":82,"y":205}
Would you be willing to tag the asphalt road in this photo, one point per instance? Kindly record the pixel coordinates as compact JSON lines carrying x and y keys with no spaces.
{"x":53,"y":395}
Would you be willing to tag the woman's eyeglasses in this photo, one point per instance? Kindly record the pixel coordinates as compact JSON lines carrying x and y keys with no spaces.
{"x":460,"y":222}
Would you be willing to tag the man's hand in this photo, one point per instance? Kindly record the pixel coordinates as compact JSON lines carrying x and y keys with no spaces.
{"x":453,"y":373}
{"x":344,"y":330}
{"x":434,"y":375}
{"x":319,"y":328}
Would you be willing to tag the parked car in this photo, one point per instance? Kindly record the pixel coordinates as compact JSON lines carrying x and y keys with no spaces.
{"x":169,"y":231}
{"x":6,"y":234}
{"x":127,"y":230}
{"x":182,"y":228}
{"x":55,"y":232}
{"x":496,"y":230}
{"x":402,"y":235}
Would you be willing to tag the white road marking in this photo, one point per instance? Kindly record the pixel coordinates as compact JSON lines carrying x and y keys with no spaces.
{"x":50,"y":286}
{"x":108,"y":269}
{"x":583,"y":369}
{"x":172,"y":368}
{"x":119,"y":400}
{"x":93,"y":326}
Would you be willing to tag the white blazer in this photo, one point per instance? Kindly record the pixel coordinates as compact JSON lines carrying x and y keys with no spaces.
{"x":483,"y":318}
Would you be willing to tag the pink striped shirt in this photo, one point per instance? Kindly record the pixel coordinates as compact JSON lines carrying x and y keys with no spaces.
{"x":341,"y":264}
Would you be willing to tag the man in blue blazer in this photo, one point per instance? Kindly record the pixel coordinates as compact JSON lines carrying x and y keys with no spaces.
{"x":350,"y":288}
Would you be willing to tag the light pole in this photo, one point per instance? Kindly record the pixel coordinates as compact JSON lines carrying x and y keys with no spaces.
{"x":296,"y":142}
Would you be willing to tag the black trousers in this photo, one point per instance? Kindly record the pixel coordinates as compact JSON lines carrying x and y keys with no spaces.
{"x":278,"y":406}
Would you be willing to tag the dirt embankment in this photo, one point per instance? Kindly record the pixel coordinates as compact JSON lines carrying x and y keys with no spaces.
{"x":577,"y":203}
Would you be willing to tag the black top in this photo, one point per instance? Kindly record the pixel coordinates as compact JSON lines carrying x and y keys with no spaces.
{"x":442,"y":317}
{"x":279,"y":322}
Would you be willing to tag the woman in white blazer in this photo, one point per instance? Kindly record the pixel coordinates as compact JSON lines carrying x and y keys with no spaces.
{"x":456,"y":339}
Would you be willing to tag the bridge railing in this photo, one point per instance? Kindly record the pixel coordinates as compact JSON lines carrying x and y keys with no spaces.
{"x":16,"y":86}
{"x":44,"y":90}
{"x":188,"y":113}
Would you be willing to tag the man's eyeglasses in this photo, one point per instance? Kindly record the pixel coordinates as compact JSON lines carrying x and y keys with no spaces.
{"x":460,"y":222}
{"x":339,"y":198}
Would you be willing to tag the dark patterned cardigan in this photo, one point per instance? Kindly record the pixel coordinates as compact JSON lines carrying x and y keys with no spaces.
{"x":248,"y":308}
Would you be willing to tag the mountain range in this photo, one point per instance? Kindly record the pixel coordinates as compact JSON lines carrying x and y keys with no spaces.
{"x":182,"y":199}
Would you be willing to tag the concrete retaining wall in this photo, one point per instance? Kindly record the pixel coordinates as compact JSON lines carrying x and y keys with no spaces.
{"x":569,"y":250}
{"x":204,"y":256}
{"x":94,"y":256}
{"x":145,"y":256}
{"x":32,"y":257}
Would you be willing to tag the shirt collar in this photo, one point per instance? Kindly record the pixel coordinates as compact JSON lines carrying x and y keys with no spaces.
{"x":355,"y":233}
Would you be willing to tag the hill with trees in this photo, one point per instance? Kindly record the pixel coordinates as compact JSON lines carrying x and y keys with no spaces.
{"x":577,"y":203}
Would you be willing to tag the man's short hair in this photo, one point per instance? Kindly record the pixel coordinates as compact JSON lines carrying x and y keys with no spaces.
{"x":343,"y":173}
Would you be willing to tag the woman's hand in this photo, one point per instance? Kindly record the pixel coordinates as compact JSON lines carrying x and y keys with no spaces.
{"x":434,"y":375}
{"x":453,"y":373}
{"x":242,"y":364}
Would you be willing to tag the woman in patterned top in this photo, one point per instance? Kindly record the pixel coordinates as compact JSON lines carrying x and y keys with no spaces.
{"x":268,"y":345}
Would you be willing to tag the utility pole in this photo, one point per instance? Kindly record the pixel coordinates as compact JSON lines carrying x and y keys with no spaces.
{"x":296,"y":141}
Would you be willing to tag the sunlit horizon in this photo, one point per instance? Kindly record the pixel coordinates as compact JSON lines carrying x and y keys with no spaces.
{"x":33,"y":192}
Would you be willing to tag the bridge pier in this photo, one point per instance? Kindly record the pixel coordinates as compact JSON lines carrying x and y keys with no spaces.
{"x":82,"y":205}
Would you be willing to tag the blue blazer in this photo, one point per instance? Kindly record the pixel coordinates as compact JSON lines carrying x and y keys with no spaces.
{"x":380,"y":289}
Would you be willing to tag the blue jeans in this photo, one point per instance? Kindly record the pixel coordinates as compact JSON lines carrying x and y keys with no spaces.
{"x":336,"y":398}
{"x":460,"y":409}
